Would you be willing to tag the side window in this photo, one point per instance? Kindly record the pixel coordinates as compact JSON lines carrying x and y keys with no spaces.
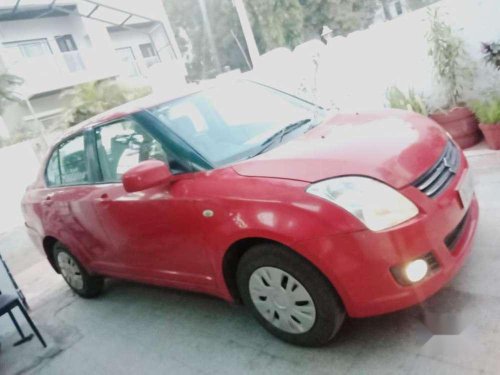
{"x":73,"y":162}
{"x":53,"y":172}
{"x":124,"y":144}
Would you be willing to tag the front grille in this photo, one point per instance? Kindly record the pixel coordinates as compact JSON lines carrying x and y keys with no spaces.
{"x":435,"y":180}
{"x":451,"y":239}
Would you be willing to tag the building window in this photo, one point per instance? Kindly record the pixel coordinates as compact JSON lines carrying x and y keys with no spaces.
{"x":147,"y":50}
{"x":66,"y":43}
{"x":27,"y":49}
{"x":70,"y":53}
{"x":149,"y":54}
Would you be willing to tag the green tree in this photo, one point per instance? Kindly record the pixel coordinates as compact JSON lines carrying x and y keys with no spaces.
{"x":276,"y":23}
{"x":186,"y":18}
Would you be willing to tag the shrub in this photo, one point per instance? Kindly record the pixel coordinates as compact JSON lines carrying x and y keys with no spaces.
{"x":487,"y":111}
{"x":410,"y":102}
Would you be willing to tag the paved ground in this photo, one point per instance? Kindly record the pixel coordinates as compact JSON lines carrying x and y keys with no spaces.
{"x":140,"y":329}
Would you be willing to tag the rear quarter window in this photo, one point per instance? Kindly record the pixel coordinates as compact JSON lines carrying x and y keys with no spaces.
{"x":68,"y":164}
{"x":53,"y":172}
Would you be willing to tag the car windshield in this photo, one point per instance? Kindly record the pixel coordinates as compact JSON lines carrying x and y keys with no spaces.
{"x":235,"y":121}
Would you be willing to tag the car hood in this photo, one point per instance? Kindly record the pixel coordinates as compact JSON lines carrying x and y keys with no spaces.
{"x":391,"y":145}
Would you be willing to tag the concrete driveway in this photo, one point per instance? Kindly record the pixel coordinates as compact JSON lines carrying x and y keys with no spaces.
{"x":137,"y":329}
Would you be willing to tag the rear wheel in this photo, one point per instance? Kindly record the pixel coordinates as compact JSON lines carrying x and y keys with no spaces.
{"x":289,"y":296}
{"x":75,"y":275}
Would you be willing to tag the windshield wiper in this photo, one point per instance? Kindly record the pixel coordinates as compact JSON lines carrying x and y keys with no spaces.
{"x":279,"y":135}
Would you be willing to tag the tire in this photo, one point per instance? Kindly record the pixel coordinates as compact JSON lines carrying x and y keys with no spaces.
{"x":75,"y":275}
{"x":306,"y":311}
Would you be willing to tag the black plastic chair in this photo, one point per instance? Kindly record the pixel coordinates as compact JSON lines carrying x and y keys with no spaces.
{"x":7,"y":304}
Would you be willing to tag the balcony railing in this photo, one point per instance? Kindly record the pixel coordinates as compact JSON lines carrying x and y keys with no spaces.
{"x":56,"y":71}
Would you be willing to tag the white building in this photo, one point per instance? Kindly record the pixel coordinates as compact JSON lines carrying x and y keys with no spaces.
{"x":56,"y":45}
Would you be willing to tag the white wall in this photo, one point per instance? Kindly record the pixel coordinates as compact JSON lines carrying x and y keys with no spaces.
{"x":354,"y":72}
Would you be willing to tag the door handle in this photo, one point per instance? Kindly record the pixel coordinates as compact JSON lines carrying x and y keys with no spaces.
{"x":103,"y":200}
{"x":48,"y":199}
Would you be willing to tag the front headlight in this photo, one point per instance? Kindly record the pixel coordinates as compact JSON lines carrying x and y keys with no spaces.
{"x":377,"y":205}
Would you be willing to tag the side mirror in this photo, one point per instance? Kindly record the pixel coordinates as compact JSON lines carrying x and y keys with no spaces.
{"x":146,"y":175}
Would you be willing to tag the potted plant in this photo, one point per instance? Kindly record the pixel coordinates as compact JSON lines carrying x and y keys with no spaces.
{"x":488,"y":113}
{"x":453,"y":73}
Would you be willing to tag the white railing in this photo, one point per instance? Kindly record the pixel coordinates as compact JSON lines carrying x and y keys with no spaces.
{"x":52,"y":72}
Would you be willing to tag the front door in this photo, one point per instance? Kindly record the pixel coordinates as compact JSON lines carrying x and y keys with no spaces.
{"x":151,"y":234}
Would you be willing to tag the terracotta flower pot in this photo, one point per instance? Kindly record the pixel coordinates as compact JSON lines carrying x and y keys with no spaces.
{"x":492,"y":135}
{"x":461,"y":123}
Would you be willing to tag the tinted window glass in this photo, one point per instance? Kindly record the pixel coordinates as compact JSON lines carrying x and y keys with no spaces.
{"x":73,"y":163}
{"x":122,"y":145}
{"x":232,"y":122}
{"x":53,"y":172}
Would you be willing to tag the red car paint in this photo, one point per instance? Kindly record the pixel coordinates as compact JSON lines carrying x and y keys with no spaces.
{"x":162,"y":236}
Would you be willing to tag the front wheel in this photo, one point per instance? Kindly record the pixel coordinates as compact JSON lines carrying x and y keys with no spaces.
{"x":75,"y":275}
{"x":289,"y":296}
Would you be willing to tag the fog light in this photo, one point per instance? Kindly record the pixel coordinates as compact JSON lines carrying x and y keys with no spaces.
{"x":416,"y":270}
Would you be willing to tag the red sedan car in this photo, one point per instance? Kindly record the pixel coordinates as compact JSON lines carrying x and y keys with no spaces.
{"x":250,"y":194}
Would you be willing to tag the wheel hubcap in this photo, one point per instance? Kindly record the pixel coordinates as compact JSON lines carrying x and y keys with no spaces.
{"x":282,"y":300}
{"x":70,"y":270}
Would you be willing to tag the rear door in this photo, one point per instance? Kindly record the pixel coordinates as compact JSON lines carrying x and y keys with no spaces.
{"x":66,"y":203}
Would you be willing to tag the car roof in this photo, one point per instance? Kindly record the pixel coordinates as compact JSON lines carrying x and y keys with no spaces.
{"x":129,"y":108}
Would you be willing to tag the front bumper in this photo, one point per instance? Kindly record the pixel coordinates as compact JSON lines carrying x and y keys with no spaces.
{"x":358,"y":264}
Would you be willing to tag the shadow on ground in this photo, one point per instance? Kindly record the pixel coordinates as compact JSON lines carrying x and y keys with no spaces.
{"x":134,"y":328}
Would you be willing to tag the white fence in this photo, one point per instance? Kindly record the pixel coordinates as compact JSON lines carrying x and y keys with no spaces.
{"x":354,"y":72}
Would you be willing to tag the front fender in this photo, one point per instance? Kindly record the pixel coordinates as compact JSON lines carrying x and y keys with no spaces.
{"x":293,"y":219}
